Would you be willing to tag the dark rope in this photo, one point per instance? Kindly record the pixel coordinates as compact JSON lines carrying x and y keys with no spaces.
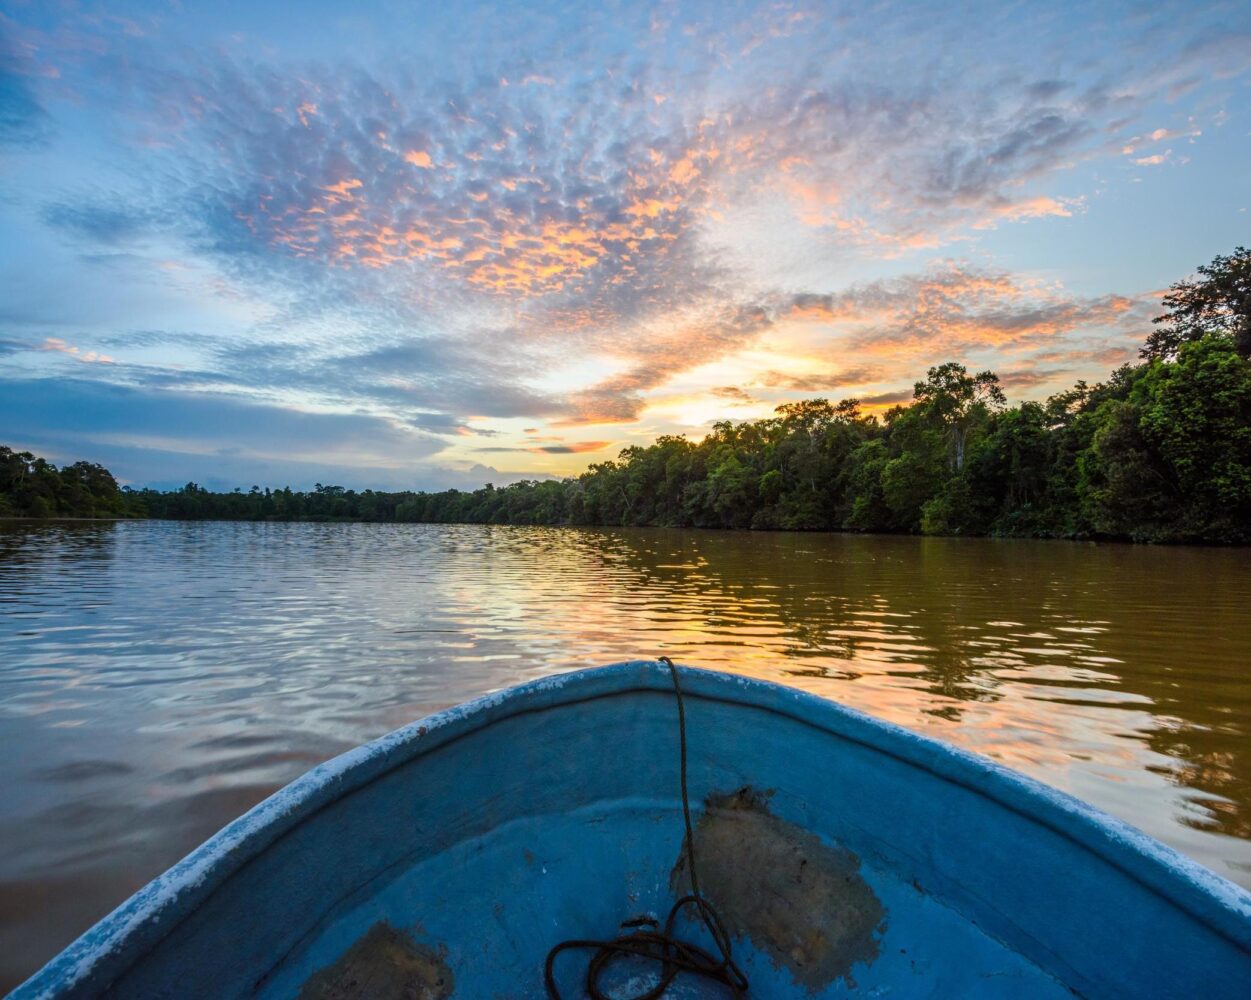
{"x":644,"y":936}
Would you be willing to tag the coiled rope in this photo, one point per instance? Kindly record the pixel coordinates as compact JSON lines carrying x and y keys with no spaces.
{"x":643,"y":936}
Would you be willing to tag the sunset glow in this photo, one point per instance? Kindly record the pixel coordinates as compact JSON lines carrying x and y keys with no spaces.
{"x":458,"y":245}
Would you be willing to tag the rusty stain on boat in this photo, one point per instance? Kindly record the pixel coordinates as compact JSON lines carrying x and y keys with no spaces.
{"x":800,"y":901}
{"x":385,"y":964}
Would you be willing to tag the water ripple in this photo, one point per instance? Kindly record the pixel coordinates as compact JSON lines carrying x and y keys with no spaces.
{"x":157,"y":678}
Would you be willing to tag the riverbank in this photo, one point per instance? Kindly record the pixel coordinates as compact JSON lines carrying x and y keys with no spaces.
{"x":1088,"y":540}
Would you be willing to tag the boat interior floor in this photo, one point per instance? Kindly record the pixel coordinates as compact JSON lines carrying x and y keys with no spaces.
{"x":808,"y":917}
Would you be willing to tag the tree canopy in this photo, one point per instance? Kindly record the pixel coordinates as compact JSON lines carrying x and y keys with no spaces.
{"x":33,"y":487}
{"x":1217,"y":305}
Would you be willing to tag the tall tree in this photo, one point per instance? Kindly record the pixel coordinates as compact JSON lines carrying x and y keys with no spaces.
{"x":1217,"y":305}
{"x":959,"y":401}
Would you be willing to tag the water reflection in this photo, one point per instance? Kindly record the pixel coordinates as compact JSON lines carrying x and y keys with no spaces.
{"x":157,"y":679}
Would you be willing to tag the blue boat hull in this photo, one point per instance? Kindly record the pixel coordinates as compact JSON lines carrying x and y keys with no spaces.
{"x":849,"y":857}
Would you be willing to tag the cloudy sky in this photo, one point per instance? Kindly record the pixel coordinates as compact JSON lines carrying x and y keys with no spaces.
{"x":428,"y":245}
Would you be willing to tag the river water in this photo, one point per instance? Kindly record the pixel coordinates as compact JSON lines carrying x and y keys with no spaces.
{"x":159,"y":678}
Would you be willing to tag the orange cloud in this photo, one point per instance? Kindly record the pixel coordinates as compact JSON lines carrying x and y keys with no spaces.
{"x":820,"y":381}
{"x":572,"y":448}
{"x":957,"y":309}
{"x":1031,"y":208}
{"x":954,"y":307}
{"x":59,"y":346}
{"x":684,"y":171}
{"x":816,"y":201}
{"x":650,"y":208}
{"x":342,"y":188}
{"x":534,"y":247}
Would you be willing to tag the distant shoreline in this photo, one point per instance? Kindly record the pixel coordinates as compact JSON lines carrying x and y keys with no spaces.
{"x":42,"y":520}
{"x":1110,"y":541}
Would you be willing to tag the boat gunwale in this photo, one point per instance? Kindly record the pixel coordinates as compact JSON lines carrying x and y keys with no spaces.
{"x":141,"y":921}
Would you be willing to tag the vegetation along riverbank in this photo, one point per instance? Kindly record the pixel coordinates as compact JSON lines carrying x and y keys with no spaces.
{"x":1160,"y":451}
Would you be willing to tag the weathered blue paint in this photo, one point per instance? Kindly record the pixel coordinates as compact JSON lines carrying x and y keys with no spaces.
{"x":493,"y":830}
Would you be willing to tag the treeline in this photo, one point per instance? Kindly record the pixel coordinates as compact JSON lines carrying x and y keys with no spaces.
{"x":1160,"y":452}
{"x":33,"y":487}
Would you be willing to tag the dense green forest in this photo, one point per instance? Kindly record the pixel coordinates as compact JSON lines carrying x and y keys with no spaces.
{"x":1161,"y":451}
{"x":33,"y":487}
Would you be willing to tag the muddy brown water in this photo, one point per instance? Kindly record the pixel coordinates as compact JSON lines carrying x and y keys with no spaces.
{"x":157,"y":679}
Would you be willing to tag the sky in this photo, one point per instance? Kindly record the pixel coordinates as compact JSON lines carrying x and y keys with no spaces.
{"x":431,"y":245}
